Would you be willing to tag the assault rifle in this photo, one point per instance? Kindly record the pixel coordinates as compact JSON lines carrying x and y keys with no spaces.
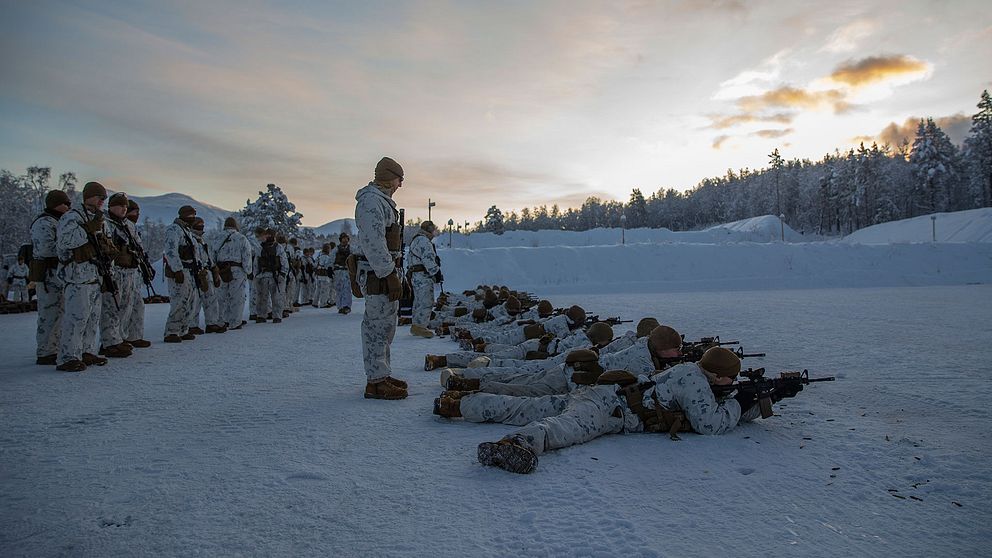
{"x":147,"y":271}
{"x":405,"y":311}
{"x":609,"y":321}
{"x":102,"y":261}
{"x":765,"y":391}
{"x":692,"y":352}
{"x":195,"y":267}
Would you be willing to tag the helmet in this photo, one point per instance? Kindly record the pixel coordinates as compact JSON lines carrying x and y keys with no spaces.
{"x":645,"y":326}
{"x":663,"y":338}
{"x":512,"y":305}
{"x":544,"y":308}
{"x":576,"y":315}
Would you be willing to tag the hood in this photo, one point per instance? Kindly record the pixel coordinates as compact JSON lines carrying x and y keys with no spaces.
{"x":372,"y":189}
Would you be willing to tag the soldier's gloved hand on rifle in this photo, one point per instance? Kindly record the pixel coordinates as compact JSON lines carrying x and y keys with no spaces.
{"x":394,"y":286}
{"x":178,"y":277}
{"x":746,"y":400}
{"x":438,"y":278}
{"x":786,"y":390}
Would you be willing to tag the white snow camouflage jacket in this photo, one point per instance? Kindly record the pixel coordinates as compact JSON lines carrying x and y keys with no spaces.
{"x":422,"y":252}
{"x":374,"y":212}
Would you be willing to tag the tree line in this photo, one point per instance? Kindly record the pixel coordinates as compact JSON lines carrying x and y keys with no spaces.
{"x":842,"y":192}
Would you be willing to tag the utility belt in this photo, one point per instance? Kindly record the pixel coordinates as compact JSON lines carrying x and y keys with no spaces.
{"x":374,"y":285}
{"x":417,"y":268}
{"x":224,"y":268}
{"x":658,"y":419}
{"x":126,"y":260}
{"x":323,"y":273}
{"x":39,"y":268}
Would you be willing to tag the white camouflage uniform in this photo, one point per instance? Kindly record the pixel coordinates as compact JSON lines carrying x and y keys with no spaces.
{"x":81,"y":315}
{"x":374,"y":212}
{"x":271,"y":284}
{"x":208,"y":299}
{"x":422,"y":252}
{"x":49,"y":290}
{"x":183,"y":297}
{"x":592,"y":411}
{"x":325,"y":264}
{"x":234,"y":248}
{"x":292,"y":279}
{"x":341,"y":285}
{"x":19,"y":283}
{"x":115,"y":316}
{"x":253,"y":290}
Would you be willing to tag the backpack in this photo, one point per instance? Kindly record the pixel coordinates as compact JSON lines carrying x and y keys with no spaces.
{"x":268,"y":260}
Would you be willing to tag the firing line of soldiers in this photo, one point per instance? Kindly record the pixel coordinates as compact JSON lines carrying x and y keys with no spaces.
{"x":564,"y":379}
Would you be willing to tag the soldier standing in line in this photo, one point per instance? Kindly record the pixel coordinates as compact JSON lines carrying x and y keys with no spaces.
{"x":44,"y":274}
{"x":79,"y":232}
{"x":324,"y":273}
{"x":253,"y":290}
{"x":209,"y":287}
{"x":234,"y":259}
{"x":182,"y":272}
{"x":116,"y":305}
{"x":292,"y":277}
{"x":282,"y":278}
{"x":341,"y":285}
{"x":133,"y":326}
{"x":310,"y":270}
{"x":381,"y":282}
{"x":18,"y":280}
{"x":271,"y":265}
{"x":424,"y":270}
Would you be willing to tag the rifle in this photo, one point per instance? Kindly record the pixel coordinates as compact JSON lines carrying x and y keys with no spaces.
{"x":406,"y":299}
{"x":765,"y":391}
{"x":194,"y":267}
{"x":102,"y":261}
{"x":609,"y":321}
{"x":147,"y":271}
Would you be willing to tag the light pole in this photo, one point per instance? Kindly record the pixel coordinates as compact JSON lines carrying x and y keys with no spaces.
{"x":451,"y":223}
{"x":430,"y":204}
{"x":781,"y":222}
{"x":623,"y":228}
{"x":933,"y":221}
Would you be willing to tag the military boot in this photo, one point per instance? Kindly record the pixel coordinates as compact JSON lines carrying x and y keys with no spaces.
{"x":195,"y":330}
{"x":116,"y":351}
{"x":71,"y":366}
{"x":259,"y":320}
{"x":508,"y":454}
{"x":345,"y":310}
{"x":447,"y":407}
{"x":189,"y":336}
{"x":396,"y":382}
{"x":140,"y":343}
{"x":47,"y":360}
{"x":90,"y":359}
{"x":277,"y":320}
{"x":421,"y":331}
{"x":173,"y":338}
{"x":384,"y":389}
{"x":458,"y":383}
{"x":253,"y":317}
{"x":434,"y":361}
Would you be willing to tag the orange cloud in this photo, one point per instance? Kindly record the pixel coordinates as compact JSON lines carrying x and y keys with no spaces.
{"x":719,"y":141}
{"x":771,"y":134}
{"x":955,"y":126}
{"x":723,"y":122}
{"x":866,"y":71}
{"x":793,"y":97}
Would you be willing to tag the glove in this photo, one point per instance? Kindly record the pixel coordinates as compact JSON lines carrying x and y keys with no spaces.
{"x":251,"y":276}
{"x":746,"y":400}
{"x":394,"y":286}
{"x":438,"y":278}
{"x":216,"y":279}
{"x":179,"y":278}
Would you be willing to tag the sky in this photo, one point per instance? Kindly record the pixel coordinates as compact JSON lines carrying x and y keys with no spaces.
{"x":513,"y":104}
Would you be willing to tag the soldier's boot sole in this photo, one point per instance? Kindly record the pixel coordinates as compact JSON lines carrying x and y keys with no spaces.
{"x":140,"y":343}
{"x":384,"y":390}
{"x":173,"y":339}
{"x":277,"y":320}
{"x":188,"y":337}
{"x":507,"y":456}
{"x":89,"y":359}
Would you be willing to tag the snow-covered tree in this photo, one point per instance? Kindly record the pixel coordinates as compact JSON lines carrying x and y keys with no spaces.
{"x":272,"y":209}
{"x":934,"y":161}
{"x":494,"y":221}
{"x":978,"y":153}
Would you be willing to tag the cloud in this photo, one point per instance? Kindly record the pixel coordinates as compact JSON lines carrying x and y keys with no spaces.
{"x":723,"y":122}
{"x":787,"y":97}
{"x":771,"y":134}
{"x":874,"y":69}
{"x":719,"y":141}
{"x":956,"y":126}
{"x":848,"y":37}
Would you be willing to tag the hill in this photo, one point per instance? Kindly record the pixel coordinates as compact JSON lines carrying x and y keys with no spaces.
{"x":334,"y":227}
{"x":165,"y":208}
{"x":973,"y":225}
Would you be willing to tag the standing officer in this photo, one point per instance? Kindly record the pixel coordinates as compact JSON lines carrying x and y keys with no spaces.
{"x":341,"y":284}
{"x":424,"y":271}
{"x":380,"y":241}
{"x":44,"y":268}
{"x":234,"y":259}
{"x":182,"y":272}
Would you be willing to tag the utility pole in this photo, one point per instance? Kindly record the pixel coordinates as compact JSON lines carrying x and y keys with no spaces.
{"x":933,"y":221}
{"x":623,"y":228}
{"x":430,"y":204}
{"x":451,"y":223}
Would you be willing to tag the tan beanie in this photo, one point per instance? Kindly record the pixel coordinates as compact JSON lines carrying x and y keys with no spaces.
{"x":94,"y":189}
{"x":645,"y":326}
{"x":600,"y":333}
{"x":722,"y":362}
{"x":544,"y":308}
{"x":55,"y":198}
{"x":664,"y":338}
{"x":231,"y":223}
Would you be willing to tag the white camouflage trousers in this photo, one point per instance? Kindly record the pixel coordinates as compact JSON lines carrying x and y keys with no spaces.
{"x":231,"y":298}
{"x":208,"y":302}
{"x":253,"y":291}
{"x":553,"y":381}
{"x":80,"y":320}
{"x":49,"y":316}
{"x":133,"y":326}
{"x":292,"y":293}
{"x":114,"y":315}
{"x":19,"y":292}
{"x":270,"y":296}
{"x":182,"y":305}
{"x":423,"y":297}
{"x":378,"y":330}
{"x":342,"y":289}
{"x":323,"y":290}
{"x":588,"y":414}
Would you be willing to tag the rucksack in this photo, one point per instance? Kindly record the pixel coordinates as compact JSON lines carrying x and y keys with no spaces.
{"x":268,"y":260}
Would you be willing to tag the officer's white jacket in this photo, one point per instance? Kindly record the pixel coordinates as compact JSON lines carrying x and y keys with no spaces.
{"x":422,"y":252}
{"x":232,"y":246}
{"x":325,"y":261}
{"x":178,"y":234}
{"x":71,"y":234}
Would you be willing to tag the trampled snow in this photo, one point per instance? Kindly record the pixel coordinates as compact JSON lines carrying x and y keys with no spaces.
{"x":259,"y":442}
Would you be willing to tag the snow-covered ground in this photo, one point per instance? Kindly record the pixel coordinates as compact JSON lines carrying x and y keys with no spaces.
{"x":259,"y":443}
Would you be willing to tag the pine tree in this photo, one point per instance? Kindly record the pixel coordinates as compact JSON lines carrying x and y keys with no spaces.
{"x":494,"y":221}
{"x":978,"y":153}
{"x":271,"y":210}
{"x":934,"y":160}
{"x":637,"y":210}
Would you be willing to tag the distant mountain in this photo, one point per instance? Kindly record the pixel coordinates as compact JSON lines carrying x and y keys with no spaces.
{"x":165,"y":208}
{"x":334,"y":227}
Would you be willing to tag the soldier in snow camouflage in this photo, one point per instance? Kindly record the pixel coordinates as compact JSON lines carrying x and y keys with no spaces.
{"x":133,"y":326}
{"x":234,"y":259}
{"x":380,"y":237}
{"x":181,"y":271}
{"x":44,"y":274}
{"x":424,"y":270}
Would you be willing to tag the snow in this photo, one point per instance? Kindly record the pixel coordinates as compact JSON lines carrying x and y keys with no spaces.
{"x":165,"y":208}
{"x":334,"y":227}
{"x":973,"y":225}
{"x":258,"y":442}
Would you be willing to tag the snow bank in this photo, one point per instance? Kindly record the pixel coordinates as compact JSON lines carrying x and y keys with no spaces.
{"x":696,"y":267}
{"x":973,"y":225}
